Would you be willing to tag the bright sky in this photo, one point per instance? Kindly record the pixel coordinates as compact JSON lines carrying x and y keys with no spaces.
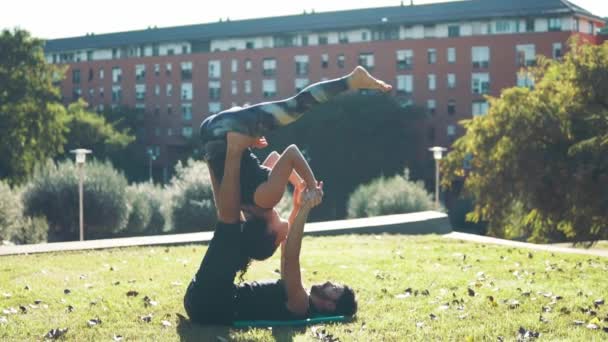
{"x":68,"y":18}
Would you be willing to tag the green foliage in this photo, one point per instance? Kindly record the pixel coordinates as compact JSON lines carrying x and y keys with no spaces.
{"x":350,"y":141}
{"x":53,"y":193}
{"x":191,"y":193}
{"x":32,"y":119}
{"x":389,"y":195}
{"x":92,"y":131}
{"x":13,"y":226}
{"x":146,"y":209}
{"x":539,"y":156}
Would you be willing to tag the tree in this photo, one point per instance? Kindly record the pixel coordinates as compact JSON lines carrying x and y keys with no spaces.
{"x":351,"y":140}
{"x":91,"y":130}
{"x":539,"y":166}
{"x":32,"y":119}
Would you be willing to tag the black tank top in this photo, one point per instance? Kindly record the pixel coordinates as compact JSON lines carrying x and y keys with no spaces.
{"x":263,"y":301}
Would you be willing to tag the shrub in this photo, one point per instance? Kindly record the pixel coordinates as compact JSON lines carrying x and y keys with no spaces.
{"x":53,"y":193}
{"x":385,"y":196}
{"x":10,"y":212}
{"x":13,"y":225}
{"x":146,"y":214}
{"x":192,"y":206}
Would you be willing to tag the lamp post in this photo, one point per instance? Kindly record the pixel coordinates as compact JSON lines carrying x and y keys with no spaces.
{"x":437,"y":155}
{"x":152,"y":156}
{"x":81,"y":157}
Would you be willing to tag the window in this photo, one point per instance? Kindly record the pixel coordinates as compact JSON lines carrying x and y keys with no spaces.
{"x":157,"y":90}
{"x":214,"y":107}
{"x":341,"y":61}
{"x":480,"y":83}
{"x":431,"y":106}
{"x":214,"y":90}
{"x":431,"y":56}
{"x":156,"y":69}
{"x":140,"y":92}
{"x":405,"y":84}
{"x":366,"y":60}
{"x":503,"y":26}
{"x":215,"y":69}
{"x":157,"y":131}
{"x":576,"y":25}
{"x":116,"y":74}
{"x":301,"y":65}
{"x":169,"y":90}
{"x":76,"y":93}
{"x":187,"y":131}
{"x":186,"y":111}
{"x":170,"y":52}
{"x":247,"y":64}
{"x":451,"y":106}
{"x":101,"y":92}
{"x":76,"y":76}
{"x":431,"y":134}
{"x":480,"y":108}
{"x":530,"y":26}
{"x":101,"y":74}
{"x":525,"y":80}
{"x":186,"y":71}
{"x":322,"y":40}
{"x":342,"y":38}
{"x":591,"y":27}
{"x":300,"y":83}
{"x":480,"y":56}
{"x":451,"y":78}
{"x":169,"y":132}
{"x":185,"y":49}
{"x":234,"y":90}
{"x":269,"y":88}
{"x":557,"y":50}
{"x":451,"y":130}
{"x":91,"y":93}
{"x":157,"y":110}
{"x":234,"y":65}
{"x":451,"y":55}
{"x":116,"y":94}
{"x":168,"y":69}
{"x":269,"y":66}
{"x":453,"y":31}
{"x":90,"y":74}
{"x":525,"y":54}
{"x":555,"y":24}
{"x":169,"y":109}
{"x":140,"y":72}
{"x":324,"y":61}
{"x":247,"y":86}
{"x":429,"y":31}
{"x":432,"y":81}
{"x":405,"y":59}
{"x":114,"y":53}
{"x":249,"y":45}
{"x":89,"y":55}
{"x":187,"y":91}
{"x":140,"y":110}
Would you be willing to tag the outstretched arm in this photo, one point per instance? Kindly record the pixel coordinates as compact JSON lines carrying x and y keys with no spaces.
{"x":297,"y":298}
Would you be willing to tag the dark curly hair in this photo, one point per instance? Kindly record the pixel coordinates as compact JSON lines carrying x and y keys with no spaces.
{"x":257,"y":243}
{"x":347,"y":303}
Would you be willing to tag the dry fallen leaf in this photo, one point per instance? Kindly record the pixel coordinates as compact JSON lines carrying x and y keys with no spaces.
{"x":117,"y":338}
{"x":165,"y":323}
{"x":132,"y":293}
{"x":147,"y":318}
{"x":56,"y":333}
{"x":93,"y":322}
{"x":67,"y":291}
{"x":471,"y":292}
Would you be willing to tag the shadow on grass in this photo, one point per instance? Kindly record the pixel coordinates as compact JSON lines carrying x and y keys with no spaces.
{"x":191,"y":332}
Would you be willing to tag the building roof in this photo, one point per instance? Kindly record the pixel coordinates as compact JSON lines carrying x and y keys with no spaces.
{"x":406,"y":14}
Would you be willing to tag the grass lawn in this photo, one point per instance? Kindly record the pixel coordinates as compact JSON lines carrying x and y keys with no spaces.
{"x":409,"y":288}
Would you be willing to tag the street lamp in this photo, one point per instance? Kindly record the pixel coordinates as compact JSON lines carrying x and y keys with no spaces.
{"x":437,"y":155}
{"x":152,"y":156}
{"x":81,"y":157}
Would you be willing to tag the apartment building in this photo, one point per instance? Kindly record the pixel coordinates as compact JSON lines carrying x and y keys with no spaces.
{"x":444,"y":57}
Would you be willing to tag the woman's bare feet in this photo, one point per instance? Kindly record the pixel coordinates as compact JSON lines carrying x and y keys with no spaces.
{"x":361,"y":79}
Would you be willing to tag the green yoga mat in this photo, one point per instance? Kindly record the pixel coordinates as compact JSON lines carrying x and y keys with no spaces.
{"x":298,"y":322}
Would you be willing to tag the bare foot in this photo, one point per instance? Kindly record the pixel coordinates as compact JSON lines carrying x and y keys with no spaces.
{"x":361,"y":79}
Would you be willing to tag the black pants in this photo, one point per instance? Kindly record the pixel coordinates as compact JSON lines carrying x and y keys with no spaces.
{"x":209,"y":298}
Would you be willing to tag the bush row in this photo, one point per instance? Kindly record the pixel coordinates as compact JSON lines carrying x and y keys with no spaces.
{"x":48,"y":206}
